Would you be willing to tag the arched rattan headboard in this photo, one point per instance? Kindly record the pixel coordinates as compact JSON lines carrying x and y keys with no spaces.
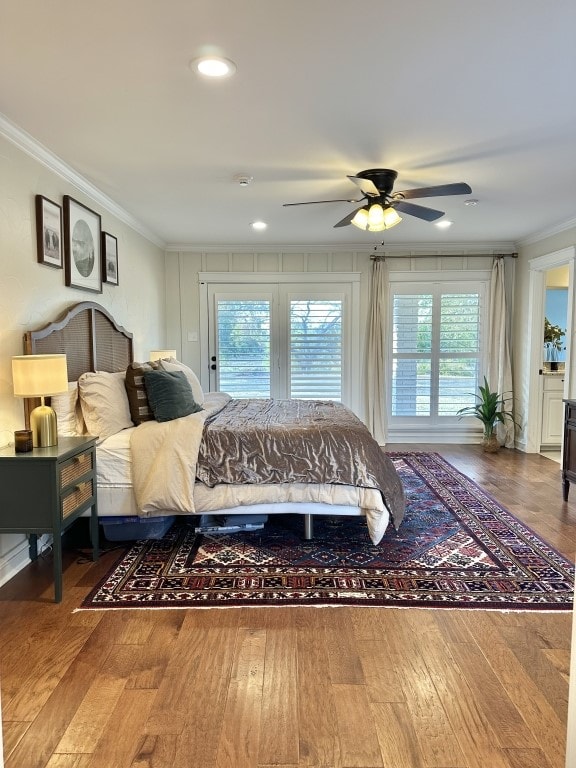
{"x":89,"y":337}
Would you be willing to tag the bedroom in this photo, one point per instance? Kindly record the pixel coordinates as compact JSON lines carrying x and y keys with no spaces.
{"x":159,"y":264}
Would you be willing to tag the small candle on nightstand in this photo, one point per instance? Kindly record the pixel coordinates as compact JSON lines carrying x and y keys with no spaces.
{"x":23,"y":440}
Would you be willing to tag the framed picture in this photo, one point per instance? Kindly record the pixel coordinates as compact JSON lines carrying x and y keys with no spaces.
{"x":48,"y":232}
{"x":82,"y":246}
{"x":109,"y":258}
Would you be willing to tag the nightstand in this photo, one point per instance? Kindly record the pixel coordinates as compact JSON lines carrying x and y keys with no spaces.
{"x":45,"y":490}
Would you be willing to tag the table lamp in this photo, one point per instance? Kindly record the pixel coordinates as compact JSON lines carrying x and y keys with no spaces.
{"x":162,"y":354}
{"x":40,"y":376}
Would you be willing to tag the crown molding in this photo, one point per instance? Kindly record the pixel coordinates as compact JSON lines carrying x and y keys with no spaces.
{"x":550,"y":232}
{"x":28,"y":144}
{"x":400,"y":249}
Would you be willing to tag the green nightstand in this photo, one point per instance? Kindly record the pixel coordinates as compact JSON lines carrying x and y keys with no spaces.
{"x":45,"y":490}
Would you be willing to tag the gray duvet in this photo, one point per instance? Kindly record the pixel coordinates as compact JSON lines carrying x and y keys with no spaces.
{"x":295,"y":441}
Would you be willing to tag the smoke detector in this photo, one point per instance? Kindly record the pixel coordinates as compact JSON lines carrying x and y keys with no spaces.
{"x":243,"y":180}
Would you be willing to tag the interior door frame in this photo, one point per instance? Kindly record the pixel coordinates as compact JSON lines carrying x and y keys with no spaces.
{"x":536,"y":307}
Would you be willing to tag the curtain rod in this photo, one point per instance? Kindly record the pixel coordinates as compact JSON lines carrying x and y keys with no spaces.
{"x":445,"y":256}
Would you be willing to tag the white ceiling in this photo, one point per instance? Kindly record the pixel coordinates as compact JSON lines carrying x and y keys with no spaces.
{"x":441,"y":91}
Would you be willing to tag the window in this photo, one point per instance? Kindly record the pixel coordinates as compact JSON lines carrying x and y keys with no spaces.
{"x":243,"y":361}
{"x":286,"y":340}
{"x":316,"y":349}
{"x":436,"y":348}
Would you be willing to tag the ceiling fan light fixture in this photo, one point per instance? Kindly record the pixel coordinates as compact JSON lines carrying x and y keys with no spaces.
{"x":391,"y":218}
{"x":360,"y":220}
{"x":376,"y":218}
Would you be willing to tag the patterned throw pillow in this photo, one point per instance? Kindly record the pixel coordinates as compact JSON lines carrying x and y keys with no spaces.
{"x":140,"y":410}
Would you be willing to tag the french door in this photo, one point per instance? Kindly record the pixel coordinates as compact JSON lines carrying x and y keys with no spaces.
{"x":284,"y":340}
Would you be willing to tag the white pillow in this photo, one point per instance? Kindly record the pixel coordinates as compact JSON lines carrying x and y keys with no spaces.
{"x":171,"y":364}
{"x":68,"y":412}
{"x":104,"y":403}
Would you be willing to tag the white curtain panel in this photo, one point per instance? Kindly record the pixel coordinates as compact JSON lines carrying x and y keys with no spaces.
{"x":499,"y":367}
{"x":375,"y":388}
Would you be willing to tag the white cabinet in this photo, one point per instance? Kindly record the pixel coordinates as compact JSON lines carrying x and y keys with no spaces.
{"x":552,"y":411}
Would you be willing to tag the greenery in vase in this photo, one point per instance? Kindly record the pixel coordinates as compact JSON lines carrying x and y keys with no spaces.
{"x":489,"y":409}
{"x":553,"y":335}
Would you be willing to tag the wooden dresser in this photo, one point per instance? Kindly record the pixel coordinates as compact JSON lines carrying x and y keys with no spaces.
{"x":569,"y":447}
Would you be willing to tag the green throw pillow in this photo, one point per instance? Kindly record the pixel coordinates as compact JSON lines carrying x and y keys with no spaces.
{"x":170,"y":395}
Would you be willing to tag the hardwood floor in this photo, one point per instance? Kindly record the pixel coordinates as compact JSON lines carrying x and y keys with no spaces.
{"x":317,"y":687}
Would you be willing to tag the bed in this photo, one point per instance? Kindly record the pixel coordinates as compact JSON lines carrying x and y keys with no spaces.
{"x":226,"y":457}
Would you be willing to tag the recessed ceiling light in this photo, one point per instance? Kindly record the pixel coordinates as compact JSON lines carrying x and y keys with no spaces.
{"x":213,"y":66}
{"x":444,"y":224}
{"x":259,"y":225}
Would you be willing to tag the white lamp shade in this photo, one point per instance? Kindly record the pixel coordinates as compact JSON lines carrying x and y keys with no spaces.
{"x":39,"y":375}
{"x":162,"y":354}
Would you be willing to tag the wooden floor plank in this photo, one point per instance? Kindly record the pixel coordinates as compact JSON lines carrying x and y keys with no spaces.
{"x":493,"y":698}
{"x":42,"y":677}
{"x":92,"y":717}
{"x":528,"y":758}
{"x":537,"y":713}
{"x":150,"y":666}
{"x":468,"y":722}
{"x":68,"y":761}
{"x":279,"y":742}
{"x":118,"y":746}
{"x":357,"y":731}
{"x":240,"y":734}
{"x":344,"y":663}
{"x":317,"y":725}
{"x":398,"y":743}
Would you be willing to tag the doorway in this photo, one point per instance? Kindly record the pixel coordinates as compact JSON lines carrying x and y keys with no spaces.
{"x":547,"y":387}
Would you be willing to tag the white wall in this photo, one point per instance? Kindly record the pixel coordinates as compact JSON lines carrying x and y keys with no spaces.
{"x":32,"y":294}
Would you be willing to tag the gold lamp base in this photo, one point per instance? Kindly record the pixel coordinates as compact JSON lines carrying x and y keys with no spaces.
{"x":44,"y":427}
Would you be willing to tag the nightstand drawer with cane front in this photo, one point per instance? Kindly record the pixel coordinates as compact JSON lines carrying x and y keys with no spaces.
{"x":45,"y":490}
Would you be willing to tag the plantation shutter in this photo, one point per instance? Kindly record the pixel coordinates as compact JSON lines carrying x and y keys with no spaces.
{"x":436,"y":349}
{"x":244,"y":347}
{"x":316,"y":349}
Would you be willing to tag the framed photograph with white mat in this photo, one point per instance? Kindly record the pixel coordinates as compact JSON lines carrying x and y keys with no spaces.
{"x":48,"y":232}
{"x":109,"y":258}
{"x":82,"y":242}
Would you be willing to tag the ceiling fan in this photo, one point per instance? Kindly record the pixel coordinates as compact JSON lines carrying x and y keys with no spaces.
{"x":381,"y":207}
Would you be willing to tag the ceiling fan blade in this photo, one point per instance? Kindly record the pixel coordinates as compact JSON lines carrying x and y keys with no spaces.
{"x":421,"y":212}
{"x":459,"y":188}
{"x":348,"y":219}
{"x":366,"y":185}
{"x":315,"y":202}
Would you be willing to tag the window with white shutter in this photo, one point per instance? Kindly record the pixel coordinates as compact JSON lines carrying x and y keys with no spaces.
{"x":315,"y":349}
{"x":436,"y":348}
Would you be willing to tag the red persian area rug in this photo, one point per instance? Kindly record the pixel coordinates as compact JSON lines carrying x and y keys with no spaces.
{"x":457,"y":548}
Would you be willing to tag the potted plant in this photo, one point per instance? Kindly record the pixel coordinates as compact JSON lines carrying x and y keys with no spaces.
{"x":553,"y":342}
{"x":490,"y":409}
